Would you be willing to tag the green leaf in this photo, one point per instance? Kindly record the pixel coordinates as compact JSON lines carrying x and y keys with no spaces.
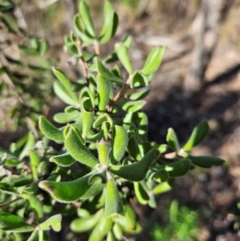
{"x":13,"y":223}
{"x":142,"y":121}
{"x":103,"y":89}
{"x":162,"y":148}
{"x":86,"y":18}
{"x":84,"y":224}
{"x":62,"y":78}
{"x":138,"y":95}
{"x":53,"y":222}
{"x":106,"y":73}
{"x":65,"y":95}
{"x":34,"y":162}
{"x":65,"y":82}
{"x":8,"y":188}
{"x":178,"y":168}
{"x":81,"y":31}
{"x":162,"y":188}
{"x":120,"y":141}
{"x":141,"y":193}
{"x":67,"y":192}
{"x":111,"y":237}
{"x":127,"y":41}
{"x":138,"y":80}
{"x":43,"y":236}
{"x":103,"y":151}
{"x":102,"y":228}
{"x":128,"y":221}
{"x":110,"y":23}
{"x":132,"y":106}
{"x":63,"y":160}
{"x":161,"y":176}
{"x":34,"y":203}
{"x":117,"y":230}
{"x":153,"y":61}
{"x":11,"y":161}
{"x":96,"y":187}
{"x":87,"y":118}
{"x":29,"y":144}
{"x":205,"y":161}
{"x":76,"y":148}
{"x":50,"y":131}
{"x":122,"y":53}
{"x":172,"y":140}
{"x":63,"y":118}
{"x":140,"y":168}
{"x":113,"y":202}
{"x":33,"y":236}
{"x":101,"y":119}
{"x":197,"y":136}
{"x":133,"y":148}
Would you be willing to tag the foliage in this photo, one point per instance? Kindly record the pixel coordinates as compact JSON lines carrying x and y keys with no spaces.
{"x":182,"y":225}
{"x":25,"y":76}
{"x":104,"y":158}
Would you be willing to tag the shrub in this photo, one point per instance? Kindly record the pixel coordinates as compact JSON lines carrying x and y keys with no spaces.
{"x":104,"y":158}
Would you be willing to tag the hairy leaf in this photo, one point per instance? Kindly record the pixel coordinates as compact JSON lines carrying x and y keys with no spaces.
{"x":140,"y":168}
{"x":76,"y":148}
{"x":50,"y":131}
{"x":13,"y":223}
{"x":113,"y":203}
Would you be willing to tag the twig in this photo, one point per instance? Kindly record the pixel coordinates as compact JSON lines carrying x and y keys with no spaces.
{"x":10,"y":202}
{"x":119,"y":94}
{"x":82,"y":62}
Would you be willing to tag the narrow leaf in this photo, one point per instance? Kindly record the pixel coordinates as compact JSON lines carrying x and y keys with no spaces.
{"x":63,"y":160}
{"x":178,"y":168}
{"x":66,"y":192}
{"x":84,"y":224}
{"x":122,"y":53}
{"x":141,"y":193}
{"x":197,"y":136}
{"x":34,"y":162}
{"x":153,"y":61}
{"x":103,"y":151}
{"x":34,"y":203}
{"x":102,"y":228}
{"x":77,"y":150}
{"x":103,"y":89}
{"x":120,"y":141}
{"x":65,"y":95}
{"x":110,"y":23}
{"x":106,"y":73}
{"x":138,"y":95}
{"x":132,"y":106}
{"x":33,"y":236}
{"x":81,"y":31}
{"x":13,"y":223}
{"x":113,"y":203}
{"x":50,"y":131}
{"x":172,"y":140}
{"x":162,"y":188}
{"x":63,"y":118}
{"x":140,"y":168}
{"x":205,"y":161}
{"x":86,"y":18}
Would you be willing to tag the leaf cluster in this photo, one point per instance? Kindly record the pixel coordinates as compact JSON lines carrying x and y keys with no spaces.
{"x":105,"y":158}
